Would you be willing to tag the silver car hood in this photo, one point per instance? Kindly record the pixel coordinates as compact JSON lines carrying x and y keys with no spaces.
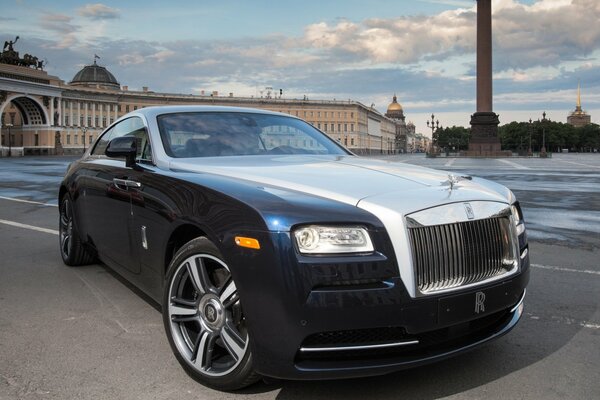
{"x":388,"y":190}
{"x":352,"y":180}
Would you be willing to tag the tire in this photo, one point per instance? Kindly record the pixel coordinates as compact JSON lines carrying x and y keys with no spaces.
{"x":71,"y":249}
{"x":203,"y":318}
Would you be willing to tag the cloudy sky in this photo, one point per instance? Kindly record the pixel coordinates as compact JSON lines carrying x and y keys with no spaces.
{"x":424,"y":51}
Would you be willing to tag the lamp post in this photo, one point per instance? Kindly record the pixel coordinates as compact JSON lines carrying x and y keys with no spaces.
{"x":543,"y":150}
{"x":84,"y":130}
{"x":529,"y":152}
{"x":433,"y":126}
{"x":9,"y":140}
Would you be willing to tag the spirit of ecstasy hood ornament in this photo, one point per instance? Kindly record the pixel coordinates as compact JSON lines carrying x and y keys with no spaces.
{"x":453,"y":180}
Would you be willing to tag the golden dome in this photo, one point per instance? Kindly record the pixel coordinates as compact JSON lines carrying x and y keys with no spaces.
{"x":394,"y":105}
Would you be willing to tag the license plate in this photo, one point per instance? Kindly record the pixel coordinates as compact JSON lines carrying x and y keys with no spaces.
{"x":468,"y":306}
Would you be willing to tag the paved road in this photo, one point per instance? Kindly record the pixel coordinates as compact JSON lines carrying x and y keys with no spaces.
{"x":81,"y":333}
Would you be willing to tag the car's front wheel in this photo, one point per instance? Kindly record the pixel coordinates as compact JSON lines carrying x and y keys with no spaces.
{"x":204,"y":320}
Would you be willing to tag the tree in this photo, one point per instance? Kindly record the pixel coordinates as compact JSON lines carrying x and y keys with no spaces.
{"x":454,"y":138}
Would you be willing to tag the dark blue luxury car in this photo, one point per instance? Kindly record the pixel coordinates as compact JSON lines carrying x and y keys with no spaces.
{"x":274,"y":251}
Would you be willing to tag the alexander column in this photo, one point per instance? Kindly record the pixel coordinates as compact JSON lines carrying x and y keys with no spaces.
{"x":484,"y":123}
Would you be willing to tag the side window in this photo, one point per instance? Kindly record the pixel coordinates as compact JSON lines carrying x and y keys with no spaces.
{"x":102,"y":143}
{"x":129,"y":127}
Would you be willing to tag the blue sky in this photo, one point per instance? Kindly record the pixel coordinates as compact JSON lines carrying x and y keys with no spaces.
{"x":362,"y":50}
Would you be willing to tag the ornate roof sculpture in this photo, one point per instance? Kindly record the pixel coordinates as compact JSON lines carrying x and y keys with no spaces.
{"x":579,"y":117}
{"x":10,"y":56}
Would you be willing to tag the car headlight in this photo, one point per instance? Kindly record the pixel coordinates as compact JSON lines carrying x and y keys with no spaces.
{"x":317,"y":239}
{"x":518,"y":217}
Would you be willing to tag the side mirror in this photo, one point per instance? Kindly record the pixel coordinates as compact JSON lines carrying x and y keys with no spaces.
{"x":124,"y":146}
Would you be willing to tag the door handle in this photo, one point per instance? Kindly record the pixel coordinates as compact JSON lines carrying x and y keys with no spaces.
{"x":126,"y":183}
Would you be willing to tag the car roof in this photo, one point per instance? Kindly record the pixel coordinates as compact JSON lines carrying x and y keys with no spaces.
{"x":154,"y":111}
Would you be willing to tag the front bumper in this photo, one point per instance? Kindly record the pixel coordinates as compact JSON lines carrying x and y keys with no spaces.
{"x":299,"y":310}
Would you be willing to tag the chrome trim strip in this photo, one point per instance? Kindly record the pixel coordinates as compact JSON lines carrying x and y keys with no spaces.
{"x":520,"y":303}
{"x":455,"y":212}
{"x":366,"y":347}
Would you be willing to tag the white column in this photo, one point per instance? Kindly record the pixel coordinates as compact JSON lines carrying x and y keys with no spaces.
{"x":101,"y":115}
{"x":78,"y":114}
{"x":85,"y":117}
{"x":51,"y":122}
{"x":72,"y":123}
{"x":61,"y":106}
{"x":94,"y":114}
{"x":116,"y":112}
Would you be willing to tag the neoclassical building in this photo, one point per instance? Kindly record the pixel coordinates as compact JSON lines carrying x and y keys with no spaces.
{"x":579,"y":117}
{"x":405,"y":133}
{"x":45,"y":115}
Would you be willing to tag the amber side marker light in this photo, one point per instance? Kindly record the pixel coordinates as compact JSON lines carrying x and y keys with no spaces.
{"x":247,"y":242}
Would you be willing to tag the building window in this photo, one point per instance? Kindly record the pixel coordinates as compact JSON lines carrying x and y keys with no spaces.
{"x":332,"y":128}
{"x":339,"y":127}
{"x":134,"y":108}
{"x":311,"y":113}
{"x":319,"y":114}
{"x":66,"y":120}
{"x":351,"y":127}
{"x":325,"y":127}
{"x":352,"y":141}
{"x":112,"y":120}
{"x":351,"y":115}
{"x":75,"y":138}
{"x":110,"y":107}
{"x":319,"y":125}
{"x":37,"y":140}
{"x":305,"y":114}
{"x":339,"y":114}
{"x":345,"y":141}
{"x":345,"y":114}
{"x":96,"y":121}
{"x":127,"y":108}
{"x":104,"y":122}
{"x":118,"y":107}
{"x":90,"y":139}
{"x":81,"y":120}
{"x":68,"y":138}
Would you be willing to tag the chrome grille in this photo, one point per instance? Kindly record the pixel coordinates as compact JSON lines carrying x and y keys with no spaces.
{"x":462,"y":253}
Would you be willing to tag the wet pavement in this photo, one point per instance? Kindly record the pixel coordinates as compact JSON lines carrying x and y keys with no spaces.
{"x":83,"y":333}
{"x":560,"y":196}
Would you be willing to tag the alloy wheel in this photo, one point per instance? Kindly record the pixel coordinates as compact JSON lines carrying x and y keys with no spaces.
{"x":206,"y":319}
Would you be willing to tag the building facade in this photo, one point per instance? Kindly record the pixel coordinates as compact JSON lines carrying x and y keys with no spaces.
{"x":45,"y":115}
{"x":579,"y":117}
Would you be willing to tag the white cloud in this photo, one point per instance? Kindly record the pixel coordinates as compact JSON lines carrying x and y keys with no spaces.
{"x":98,"y":11}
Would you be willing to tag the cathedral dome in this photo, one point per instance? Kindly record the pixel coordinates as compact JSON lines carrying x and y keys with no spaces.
{"x":394,"y":105}
{"x":95,"y":76}
{"x":395,"y":110}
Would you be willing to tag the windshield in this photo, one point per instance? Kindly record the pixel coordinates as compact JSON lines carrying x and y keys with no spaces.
{"x":218,"y":134}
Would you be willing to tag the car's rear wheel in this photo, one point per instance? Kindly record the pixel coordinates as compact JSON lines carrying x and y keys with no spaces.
{"x":204,"y":320}
{"x":71,"y":249}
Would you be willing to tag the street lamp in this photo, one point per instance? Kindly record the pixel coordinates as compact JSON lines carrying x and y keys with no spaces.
{"x":434,"y":126}
{"x":9,"y":139}
{"x":529,"y":152}
{"x":84,"y":130}
{"x":543,"y":150}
